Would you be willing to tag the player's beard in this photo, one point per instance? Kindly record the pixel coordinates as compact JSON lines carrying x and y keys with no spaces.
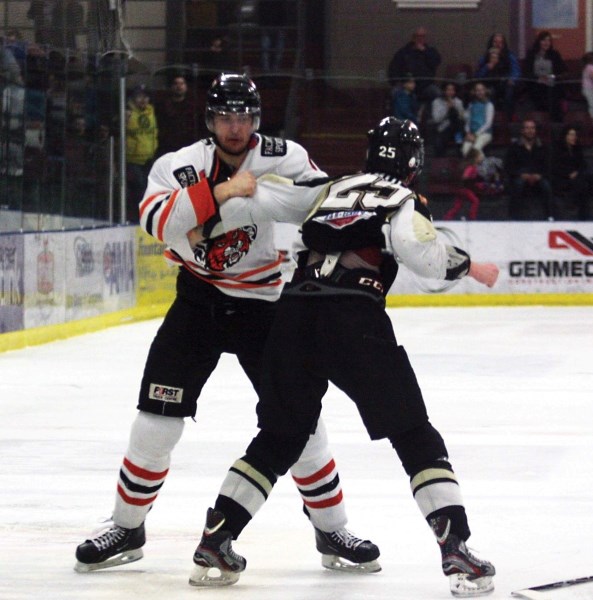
{"x":231,"y":152}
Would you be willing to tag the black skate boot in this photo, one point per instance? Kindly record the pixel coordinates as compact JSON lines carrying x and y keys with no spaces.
{"x":468,"y":574}
{"x":343,"y":551}
{"x":215,"y":552}
{"x":116,"y":546}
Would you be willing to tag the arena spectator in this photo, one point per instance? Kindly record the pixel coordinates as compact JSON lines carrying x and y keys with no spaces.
{"x":405,"y":101}
{"x":141,"y":147}
{"x":448,"y":119}
{"x":421,"y":61}
{"x":500,"y":70}
{"x":571,"y":179}
{"x":479,"y":119}
{"x":177,"y":118}
{"x":544,"y":67}
{"x":526,"y":164}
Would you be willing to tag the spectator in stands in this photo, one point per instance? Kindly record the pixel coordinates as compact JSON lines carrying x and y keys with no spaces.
{"x":544,"y":67}
{"x":448,"y":119}
{"x":273,"y":18}
{"x":100,"y":158}
{"x":571,"y":179}
{"x":177,"y":118}
{"x":141,"y":147}
{"x":478,"y":120}
{"x":404,"y":100}
{"x":12,"y":115}
{"x":587,"y":81}
{"x":68,"y":21}
{"x":526,"y":164}
{"x":78,"y":168}
{"x":13,"y":42}
{"x":468,"y":192}
{"x":40,"y":12}
{"x":10,"y":71}
{"x":500,"y":70}
{"x":216,"y":59}
{"x":57,"y":22}
{"x":419,"y":59}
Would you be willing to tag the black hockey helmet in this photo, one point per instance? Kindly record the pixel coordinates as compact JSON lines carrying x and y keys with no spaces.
{"x":233,"y":93}
{"x":395,"y":148}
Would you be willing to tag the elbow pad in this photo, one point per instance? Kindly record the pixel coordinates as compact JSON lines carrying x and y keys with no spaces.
{"x":458,"y":263}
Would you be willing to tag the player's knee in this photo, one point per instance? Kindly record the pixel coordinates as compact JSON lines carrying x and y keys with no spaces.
{"x":155,"y":435}
{"x":419,"y":446}
{"x":278,"y":452}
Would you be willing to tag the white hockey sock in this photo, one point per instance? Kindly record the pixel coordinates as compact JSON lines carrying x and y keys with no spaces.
{"x":318,"y":482}
{"x":145,"y":466}
{"x":436,"y":488}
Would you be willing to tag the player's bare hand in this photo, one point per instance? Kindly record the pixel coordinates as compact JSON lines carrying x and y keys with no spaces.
{"x":486,"y":273}
{"x":240,"y":184}
{"x":195,"y":236}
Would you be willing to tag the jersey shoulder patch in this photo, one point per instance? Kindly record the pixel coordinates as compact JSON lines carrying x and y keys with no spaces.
{"x":186,"y":176}
{"x":273,"y":146}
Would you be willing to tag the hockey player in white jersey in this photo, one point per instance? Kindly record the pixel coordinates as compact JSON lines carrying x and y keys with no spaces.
{"x":227,"y":289}
{"x":331,"y":326}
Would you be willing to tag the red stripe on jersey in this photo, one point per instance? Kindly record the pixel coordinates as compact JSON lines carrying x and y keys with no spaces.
{"x":234,"y":282}
{"x":324,"y":472}
{"x":202,"y":200}
{"x":139,"y":472}
{"x":149,"y":200}
{"x":325,"y":503}
{"x":238,"y":285}
{"x":165,"y":214}
{"x":135,"y":501}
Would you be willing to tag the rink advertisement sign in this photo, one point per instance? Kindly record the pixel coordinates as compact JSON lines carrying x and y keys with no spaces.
{"x":11,"y":283}
{"x":99,"y":272}
{"x":156,"y":279}
{"x":533,"y":257}
{"x":72,"y":275}
{"x":44,"y":282}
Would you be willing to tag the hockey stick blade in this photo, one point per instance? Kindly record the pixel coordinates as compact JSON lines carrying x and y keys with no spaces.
{"x":551,"y":586}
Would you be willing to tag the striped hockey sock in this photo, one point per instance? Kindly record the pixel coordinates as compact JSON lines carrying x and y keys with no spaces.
{"x":145,"y":467}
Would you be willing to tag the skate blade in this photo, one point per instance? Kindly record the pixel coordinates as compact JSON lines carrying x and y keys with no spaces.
{"x":119,"y":559}
{"x":462,"y":586}
{"x":212,"y":577}
{"x":337,"y":563}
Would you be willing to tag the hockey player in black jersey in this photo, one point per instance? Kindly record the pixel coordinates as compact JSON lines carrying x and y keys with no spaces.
{"x":227,"y":288}
{"x":331,"y":326}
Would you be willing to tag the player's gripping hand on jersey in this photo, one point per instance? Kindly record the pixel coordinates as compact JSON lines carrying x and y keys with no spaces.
{"x":241,"y":184}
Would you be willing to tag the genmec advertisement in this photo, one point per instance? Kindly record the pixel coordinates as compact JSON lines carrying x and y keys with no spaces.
{"x":534,"y":258}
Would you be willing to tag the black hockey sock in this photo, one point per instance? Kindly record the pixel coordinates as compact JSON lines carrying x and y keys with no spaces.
{"x":236,"y":516}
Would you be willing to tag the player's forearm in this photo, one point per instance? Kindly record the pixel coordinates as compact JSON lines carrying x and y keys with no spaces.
{"x":168,"y":215}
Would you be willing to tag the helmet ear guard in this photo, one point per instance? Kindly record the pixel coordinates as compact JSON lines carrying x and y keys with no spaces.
{"x":231,"y":93}
{"x":395,"y":148}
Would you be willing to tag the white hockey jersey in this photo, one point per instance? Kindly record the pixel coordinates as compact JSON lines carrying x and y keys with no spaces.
{"x":408,"y":234}
{"x":242,"y":262}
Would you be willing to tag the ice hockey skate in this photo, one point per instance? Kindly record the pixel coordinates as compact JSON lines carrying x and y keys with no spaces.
{"x":343,"y":551}
{"x":116,"y":546}
{"x":215,"y":562}
{"x":468,"y":575}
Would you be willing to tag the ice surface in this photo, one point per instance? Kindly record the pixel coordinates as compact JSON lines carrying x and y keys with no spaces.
{"x":510,"y":389}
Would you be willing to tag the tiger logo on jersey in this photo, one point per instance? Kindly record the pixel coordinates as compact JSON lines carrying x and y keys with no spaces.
{"x":225,"y":251}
